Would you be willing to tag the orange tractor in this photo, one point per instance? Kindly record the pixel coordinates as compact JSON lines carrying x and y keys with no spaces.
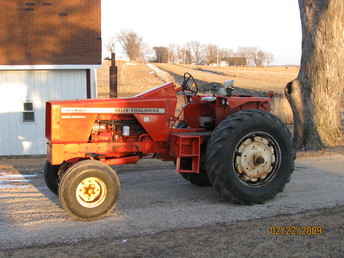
{"x":231,"y":142}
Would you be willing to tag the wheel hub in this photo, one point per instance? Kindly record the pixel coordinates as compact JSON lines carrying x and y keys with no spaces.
{"x":91,"y":192}
{"x":255,"y":159}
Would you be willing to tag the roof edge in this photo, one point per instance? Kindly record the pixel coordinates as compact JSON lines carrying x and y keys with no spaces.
{"x":47,"y":67}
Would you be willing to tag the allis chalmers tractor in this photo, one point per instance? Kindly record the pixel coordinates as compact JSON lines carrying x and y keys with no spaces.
{"x":227,"y":141}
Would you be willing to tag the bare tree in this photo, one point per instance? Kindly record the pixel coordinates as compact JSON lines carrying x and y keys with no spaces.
{"x":316,"y":95}
{"x":269,"y":58}
{"x":263,"y":58}
{"x":187,"y":56}
{"x":132,"y":44}
{"x":180,"y":54}
{"x":259,"y":58}
{"x":225,"y":53}
{"x":249,"y":53}
{"x":196,"y":50}
{"x":172,"y":53}
{"x":211,"y":55}
{"x":110,"y":45}
{"x":148,"y":53}
{"x":255,"y":55}
{"x":184,"y":55}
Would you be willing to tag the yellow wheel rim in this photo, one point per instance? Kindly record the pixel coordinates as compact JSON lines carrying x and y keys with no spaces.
{"x":91,"y":192}
{"x":257,"y":158}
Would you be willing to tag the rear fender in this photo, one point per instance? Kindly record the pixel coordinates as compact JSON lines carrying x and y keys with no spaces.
{"x":260,"y":103}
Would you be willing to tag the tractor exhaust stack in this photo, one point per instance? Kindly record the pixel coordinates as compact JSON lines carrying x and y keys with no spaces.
{"x":113,"y":77}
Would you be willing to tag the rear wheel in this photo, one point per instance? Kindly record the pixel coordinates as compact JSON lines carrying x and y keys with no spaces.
{"x":200,"y":179}
{"x":250,"y":157}
{"x":89,"y":190}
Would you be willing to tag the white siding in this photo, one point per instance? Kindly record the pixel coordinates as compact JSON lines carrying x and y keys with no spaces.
{"x":16,"y":87}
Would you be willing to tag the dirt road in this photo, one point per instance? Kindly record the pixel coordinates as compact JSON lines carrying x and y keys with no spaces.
{"x":153,"y":200}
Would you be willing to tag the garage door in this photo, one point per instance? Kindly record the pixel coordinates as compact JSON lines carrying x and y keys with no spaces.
{"x":22,"y":106}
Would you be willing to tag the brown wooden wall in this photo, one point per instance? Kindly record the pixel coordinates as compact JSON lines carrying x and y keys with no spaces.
{"x":34,"y":32}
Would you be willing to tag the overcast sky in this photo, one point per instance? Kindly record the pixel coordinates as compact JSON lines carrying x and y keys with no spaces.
{"x":272,"y":25}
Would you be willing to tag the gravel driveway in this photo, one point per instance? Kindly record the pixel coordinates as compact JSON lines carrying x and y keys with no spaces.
{"x":155,"y":201}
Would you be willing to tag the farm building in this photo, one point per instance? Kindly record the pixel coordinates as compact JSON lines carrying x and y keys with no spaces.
{"x":49,"y":49}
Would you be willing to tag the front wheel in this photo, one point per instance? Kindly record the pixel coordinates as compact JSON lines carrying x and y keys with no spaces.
{"x":50,"y":173}
{"x":250,"y":157}
{"x":89,"y":190}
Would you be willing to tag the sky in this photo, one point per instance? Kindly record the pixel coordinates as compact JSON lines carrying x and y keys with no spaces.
{"x":272,"y":25}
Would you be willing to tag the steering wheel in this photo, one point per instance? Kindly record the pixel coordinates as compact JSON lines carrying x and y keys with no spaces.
{"x":189,"y":85}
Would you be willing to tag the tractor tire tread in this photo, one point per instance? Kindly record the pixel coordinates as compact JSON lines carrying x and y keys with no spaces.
{"x":230,"y":127}
{"x":50,"y":174}
{"x":70,"y":175}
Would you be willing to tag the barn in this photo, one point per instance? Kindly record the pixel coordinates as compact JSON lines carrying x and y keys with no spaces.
{"x":49,"y":49}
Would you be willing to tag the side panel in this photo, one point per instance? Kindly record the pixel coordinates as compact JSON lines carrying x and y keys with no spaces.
{"x":58,"y":153}
{"x":158,"y":125}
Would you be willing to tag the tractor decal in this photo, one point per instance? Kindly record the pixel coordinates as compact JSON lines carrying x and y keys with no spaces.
{"x":70,"y":110}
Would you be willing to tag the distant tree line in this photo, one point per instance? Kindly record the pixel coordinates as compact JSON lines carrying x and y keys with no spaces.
{"x":192,"y":52}
{"x":196,"y":53}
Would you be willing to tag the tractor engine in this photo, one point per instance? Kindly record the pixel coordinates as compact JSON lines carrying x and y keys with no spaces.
{"x":116,"y":130}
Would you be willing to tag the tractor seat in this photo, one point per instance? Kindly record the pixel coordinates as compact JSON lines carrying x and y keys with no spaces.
{"x":218,"y":89}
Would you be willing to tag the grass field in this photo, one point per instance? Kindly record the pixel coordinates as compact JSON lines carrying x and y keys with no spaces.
{"x":254,"y":78}
{"x":132,"y":79}
{"x":257,"y":79}
{"x":135,"y":78}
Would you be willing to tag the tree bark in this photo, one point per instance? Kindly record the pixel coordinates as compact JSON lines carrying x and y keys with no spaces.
{"x":316,"y":95}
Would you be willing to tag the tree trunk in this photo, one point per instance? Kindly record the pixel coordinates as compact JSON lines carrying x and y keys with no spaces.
{"x":316,"y":95}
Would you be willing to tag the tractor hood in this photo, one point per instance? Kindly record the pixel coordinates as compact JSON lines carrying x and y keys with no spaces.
{"x":153,"y":107}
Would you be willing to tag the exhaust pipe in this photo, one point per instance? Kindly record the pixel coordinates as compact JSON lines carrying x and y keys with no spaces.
{"x":113,"y":77}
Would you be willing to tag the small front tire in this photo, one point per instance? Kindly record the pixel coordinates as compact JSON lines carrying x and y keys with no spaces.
{"x":89,"y":190}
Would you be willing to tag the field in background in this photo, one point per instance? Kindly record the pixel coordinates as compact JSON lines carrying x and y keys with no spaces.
{"x":132,"y":79}
{"x":255,"y":79}
{"x":135,"y":78}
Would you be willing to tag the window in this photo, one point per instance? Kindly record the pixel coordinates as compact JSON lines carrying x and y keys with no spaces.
{"x":28,"y":113}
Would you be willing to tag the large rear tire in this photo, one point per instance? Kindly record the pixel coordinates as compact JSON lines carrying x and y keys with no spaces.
{"x":250,"y":157}
{"x":200,"y":179}
{"x":89,"y":190}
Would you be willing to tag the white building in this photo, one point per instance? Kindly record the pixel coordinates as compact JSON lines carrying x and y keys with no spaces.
{"x":46,"y":53}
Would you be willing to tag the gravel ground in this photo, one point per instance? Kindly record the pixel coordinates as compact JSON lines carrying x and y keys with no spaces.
{"x":243,"y":239}
{"x":161,"y":215}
